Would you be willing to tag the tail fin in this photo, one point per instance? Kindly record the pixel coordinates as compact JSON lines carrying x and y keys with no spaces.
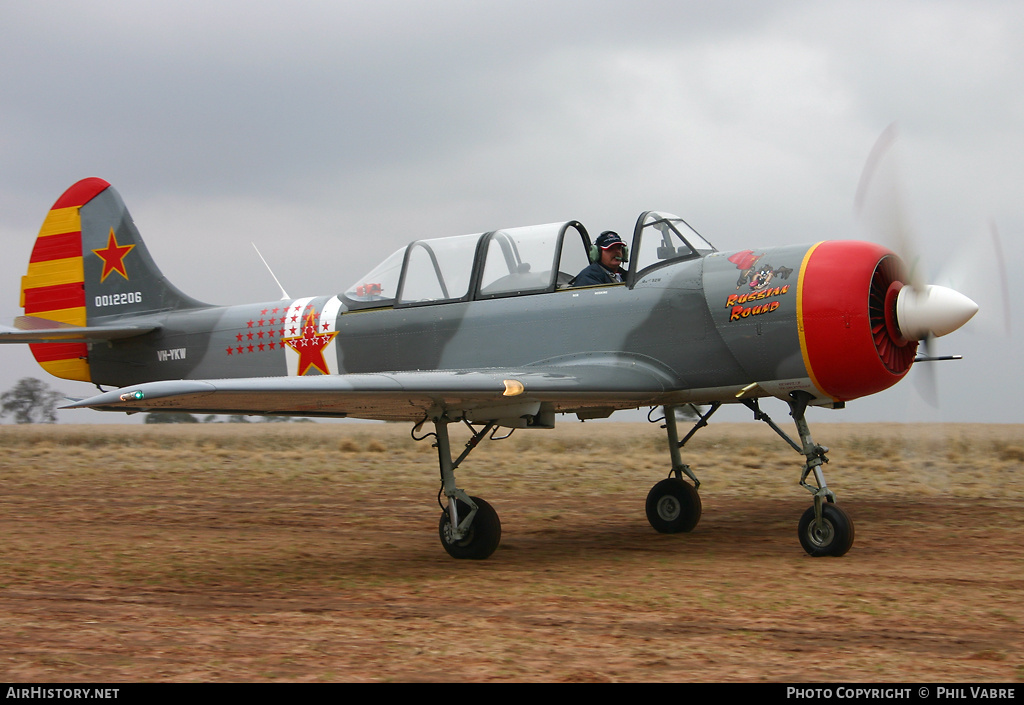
{"x":90,"y":266}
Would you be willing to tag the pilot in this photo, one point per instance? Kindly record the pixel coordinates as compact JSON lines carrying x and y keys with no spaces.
{"x":606,"y":255}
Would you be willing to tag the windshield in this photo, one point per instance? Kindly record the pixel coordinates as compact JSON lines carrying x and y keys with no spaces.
{"x":380,"y":286}
{"x":660,"y":237}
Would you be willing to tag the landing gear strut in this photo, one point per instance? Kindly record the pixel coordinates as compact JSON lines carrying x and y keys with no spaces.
{"x":469,"y":527}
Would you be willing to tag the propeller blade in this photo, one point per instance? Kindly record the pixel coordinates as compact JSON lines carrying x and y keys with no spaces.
{"x":979,"y":270}
{"x":924,"y":379}
{"x":879,"y":205}
{"x":1004,"y":282}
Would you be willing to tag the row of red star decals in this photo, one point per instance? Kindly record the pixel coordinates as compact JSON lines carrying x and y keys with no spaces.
{"x":294,"y":327}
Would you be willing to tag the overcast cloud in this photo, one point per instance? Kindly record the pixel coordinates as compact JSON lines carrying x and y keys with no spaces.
{"x":330,"y":134}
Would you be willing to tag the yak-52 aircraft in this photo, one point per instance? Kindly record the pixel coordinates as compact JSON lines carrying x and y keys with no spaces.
{"x":489,"y":330}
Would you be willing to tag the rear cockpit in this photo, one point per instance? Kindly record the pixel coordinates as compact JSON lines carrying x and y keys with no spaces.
{"x":519,"y":261}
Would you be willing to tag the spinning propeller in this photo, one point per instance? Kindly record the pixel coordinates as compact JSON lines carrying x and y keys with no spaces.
{"x":914,"y":310}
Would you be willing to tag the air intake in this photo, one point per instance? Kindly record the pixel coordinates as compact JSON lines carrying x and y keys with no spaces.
{"x":896,"y":352}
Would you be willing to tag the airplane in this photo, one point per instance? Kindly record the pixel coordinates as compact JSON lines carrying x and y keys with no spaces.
{"x":488,"y":330}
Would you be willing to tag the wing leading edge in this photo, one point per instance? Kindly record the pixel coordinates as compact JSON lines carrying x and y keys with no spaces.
{"x":477,"y":394}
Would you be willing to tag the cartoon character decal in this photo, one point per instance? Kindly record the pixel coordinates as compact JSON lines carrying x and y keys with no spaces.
{"x":758,"y":277}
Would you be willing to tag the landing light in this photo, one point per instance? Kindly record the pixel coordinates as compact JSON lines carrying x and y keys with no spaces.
{"x":513,"y":388}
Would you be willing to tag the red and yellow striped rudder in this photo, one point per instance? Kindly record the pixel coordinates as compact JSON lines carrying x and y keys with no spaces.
{"x":54,"y":287}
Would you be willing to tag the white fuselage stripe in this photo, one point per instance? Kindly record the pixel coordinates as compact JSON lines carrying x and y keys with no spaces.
{"x":328,"y":321}
{"x":291,"y":358}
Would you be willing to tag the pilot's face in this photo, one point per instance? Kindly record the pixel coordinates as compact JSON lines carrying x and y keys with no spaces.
{"x":612,"y":257}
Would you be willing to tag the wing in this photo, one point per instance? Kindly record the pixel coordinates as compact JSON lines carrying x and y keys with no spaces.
{"x":477,"y":394}
{"x":31,"y":329}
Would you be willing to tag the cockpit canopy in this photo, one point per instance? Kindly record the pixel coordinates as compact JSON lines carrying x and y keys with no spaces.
{"x":518,"y":261}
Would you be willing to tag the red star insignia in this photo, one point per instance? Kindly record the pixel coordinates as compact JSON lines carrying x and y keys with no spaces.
{"x":113,"y":257}
{"x":310,"y":346}
{"x":263,"y":312}
{"x":230,"y":351}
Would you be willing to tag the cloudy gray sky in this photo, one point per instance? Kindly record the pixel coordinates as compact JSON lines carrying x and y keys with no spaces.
{"x":331,"y":133}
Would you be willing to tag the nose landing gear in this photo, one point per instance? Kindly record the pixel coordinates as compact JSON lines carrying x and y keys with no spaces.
{"x":831,"y":536}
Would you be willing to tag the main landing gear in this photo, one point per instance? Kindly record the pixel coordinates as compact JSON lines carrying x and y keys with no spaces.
{"x":673,"y":504}
{"x":469,"y":527}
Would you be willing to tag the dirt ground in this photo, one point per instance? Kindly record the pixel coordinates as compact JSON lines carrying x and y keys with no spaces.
{"x":309,"y":552}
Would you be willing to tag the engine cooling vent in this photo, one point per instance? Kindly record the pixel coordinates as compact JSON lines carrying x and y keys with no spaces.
{"x":896,"y":352}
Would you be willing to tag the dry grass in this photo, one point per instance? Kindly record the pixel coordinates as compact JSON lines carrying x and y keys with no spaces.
{"x":867,"y":460}
{"x":309,"y":552}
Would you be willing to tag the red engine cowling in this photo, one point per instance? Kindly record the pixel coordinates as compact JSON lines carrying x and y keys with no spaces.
{"x":849,"y":337}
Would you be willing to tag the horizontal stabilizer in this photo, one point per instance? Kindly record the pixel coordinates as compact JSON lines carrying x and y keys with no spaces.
{"x":32,"y":329}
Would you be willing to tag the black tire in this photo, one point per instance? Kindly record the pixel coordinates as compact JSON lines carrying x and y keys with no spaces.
{"x":673,"y":506}
{"x":483,"y":536}
{"x":835,"y":536}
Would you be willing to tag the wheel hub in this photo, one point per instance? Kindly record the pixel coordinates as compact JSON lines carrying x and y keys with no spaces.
{"x":449,"y":536}
{"x":669,"y":508}
{"x":821,"y":535}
